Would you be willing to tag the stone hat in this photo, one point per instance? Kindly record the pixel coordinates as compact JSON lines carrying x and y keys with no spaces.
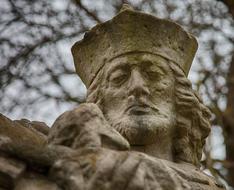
{"x":132,"y":31}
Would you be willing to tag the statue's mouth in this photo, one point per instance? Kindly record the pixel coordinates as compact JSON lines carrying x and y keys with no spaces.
{"x":139,"y":109}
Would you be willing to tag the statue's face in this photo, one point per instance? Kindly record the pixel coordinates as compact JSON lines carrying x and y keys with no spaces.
{"x":138,"y":98}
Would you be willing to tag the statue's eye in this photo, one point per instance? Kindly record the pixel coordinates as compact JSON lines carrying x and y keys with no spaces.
{"x":152,"y":75}
{"x":118,"y":77}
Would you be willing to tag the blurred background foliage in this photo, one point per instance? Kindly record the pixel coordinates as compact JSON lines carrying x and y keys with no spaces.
{"x":38,"y":81}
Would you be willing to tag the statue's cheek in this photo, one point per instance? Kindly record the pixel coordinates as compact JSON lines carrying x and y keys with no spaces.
{"x":163,"y":88}
{"x":113,"y":93}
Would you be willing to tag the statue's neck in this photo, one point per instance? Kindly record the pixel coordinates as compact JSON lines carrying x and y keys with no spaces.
{"x":161,"y":149}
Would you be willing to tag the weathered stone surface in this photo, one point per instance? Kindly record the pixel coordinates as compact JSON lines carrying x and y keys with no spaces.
{"x":10,"y":170}
{"x":19,"y":133}
{"x":33,"y":181}
{"x":143,"y":127}
{"x":35,"y":125}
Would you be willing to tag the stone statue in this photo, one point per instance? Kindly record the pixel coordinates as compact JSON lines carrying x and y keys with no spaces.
{"x":142,"y":126}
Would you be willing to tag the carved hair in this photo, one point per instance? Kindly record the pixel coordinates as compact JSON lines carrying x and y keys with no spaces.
{"x":192,"y":119}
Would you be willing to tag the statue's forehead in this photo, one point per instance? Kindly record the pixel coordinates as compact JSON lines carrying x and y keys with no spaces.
{"x":140,"y":59}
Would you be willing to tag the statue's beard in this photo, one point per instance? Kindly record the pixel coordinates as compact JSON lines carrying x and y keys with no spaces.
{"x":143,"y":130}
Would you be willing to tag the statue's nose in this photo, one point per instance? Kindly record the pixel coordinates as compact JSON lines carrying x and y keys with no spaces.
{"x":137,"y":84}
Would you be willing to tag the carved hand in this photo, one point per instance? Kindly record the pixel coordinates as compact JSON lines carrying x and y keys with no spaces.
{"x":85,"y":127}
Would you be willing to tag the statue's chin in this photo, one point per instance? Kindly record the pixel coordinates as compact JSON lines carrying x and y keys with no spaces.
{"x":144,"y":130}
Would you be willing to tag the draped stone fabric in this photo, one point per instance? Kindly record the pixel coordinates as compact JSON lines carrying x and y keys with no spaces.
{"x":84,"y":159}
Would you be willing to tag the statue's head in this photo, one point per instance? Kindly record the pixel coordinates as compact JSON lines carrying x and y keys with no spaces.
{"x":135,"y":68}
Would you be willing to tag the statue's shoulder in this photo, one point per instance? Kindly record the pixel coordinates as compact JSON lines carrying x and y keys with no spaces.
{"x":196,"y":178}
{"x":15,"y":138}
